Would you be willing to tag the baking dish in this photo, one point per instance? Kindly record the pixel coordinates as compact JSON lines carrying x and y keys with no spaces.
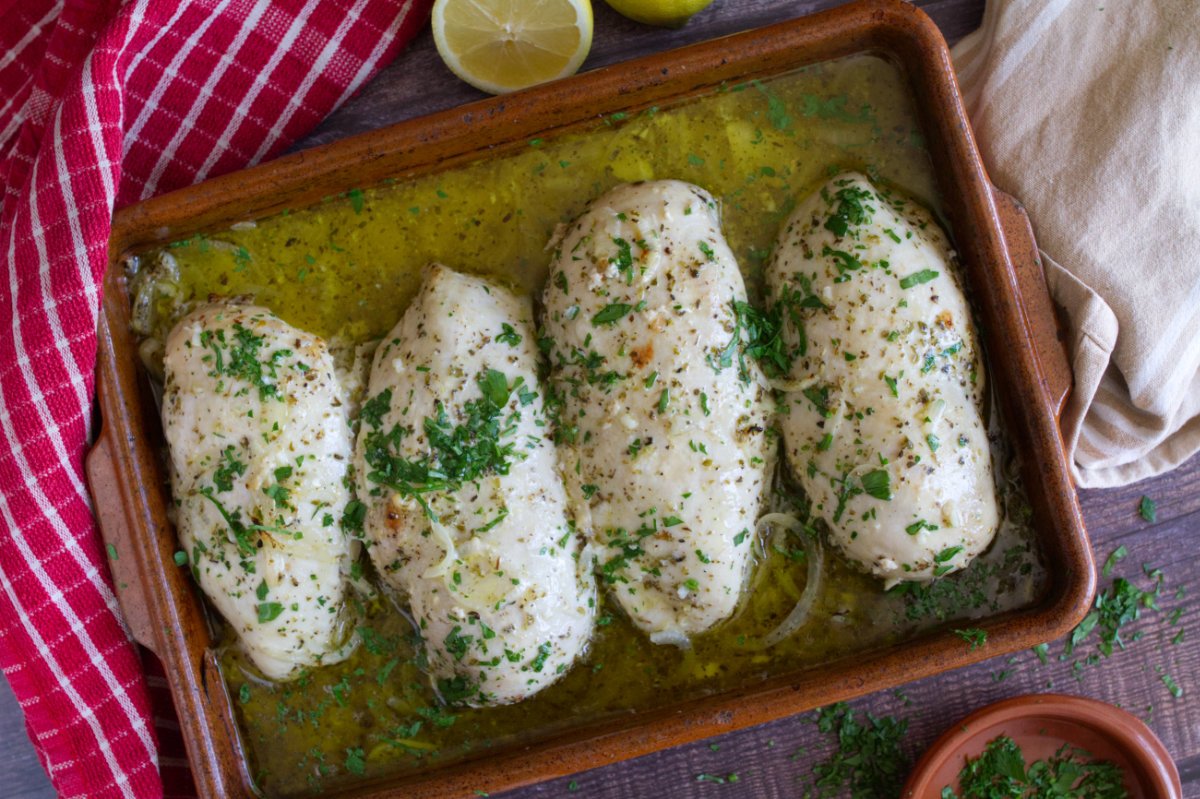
{"x":1027,"y":363}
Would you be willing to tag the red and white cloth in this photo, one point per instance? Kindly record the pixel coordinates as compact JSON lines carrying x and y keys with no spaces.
{"x":104,"y":103}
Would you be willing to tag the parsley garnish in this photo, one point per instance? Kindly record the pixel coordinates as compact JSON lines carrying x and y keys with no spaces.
{"x":268,"y":611}
{"x":241,"y":359}
{"x":717,"y":779}
{"x":973,"y":636}
{"x":229,"y":468}
{"x":610,"y":313}
{"x":454,"y":690}
{"x":877,"y":484}
{"x":918,"y":526}
{"x":850,"y":210}
{"x":458,"y":453}
{"x":456,"y":643}
{"x":1000,"y":772}
{"x":623,"y":259}
{"x":508,"y":335}
{"x":499,"y":518}
{"x":819,"y":396}
{"x":355,"y":761}
{"x":868,"y":759}
{"x":539,"y":662}
{"x":917,"y":278}
{"x":1116,"y":557}
{"x":1148,"y":509}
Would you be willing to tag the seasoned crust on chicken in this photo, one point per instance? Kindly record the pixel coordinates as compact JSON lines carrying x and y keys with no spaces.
{"x":467,"y":514}
{"x":663,"y":423}
{"x":259,"y":440}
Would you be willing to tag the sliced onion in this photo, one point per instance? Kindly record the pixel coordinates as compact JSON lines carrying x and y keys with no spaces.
{"x":442,"y":537}
{"x":790,"y":386}
{"x":934,"y":411}
{"x":672,"y":637}
{"x":812,"y":587}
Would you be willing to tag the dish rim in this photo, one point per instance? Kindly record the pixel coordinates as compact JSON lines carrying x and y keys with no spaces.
{"x":1000,"y":260}
{"x":1151,"y":769}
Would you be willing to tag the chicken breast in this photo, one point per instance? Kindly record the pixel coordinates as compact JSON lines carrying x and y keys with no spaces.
{"x":257,"y":428}
{"x":884,"y":426}
{"x":467,"y":514}
{"x":662,"y":419}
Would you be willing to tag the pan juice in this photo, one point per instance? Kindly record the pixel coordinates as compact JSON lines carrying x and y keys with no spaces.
{"x":346,"y":269}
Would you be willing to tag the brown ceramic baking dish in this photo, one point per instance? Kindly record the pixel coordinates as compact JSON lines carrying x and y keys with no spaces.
{"x":1027,"y":362}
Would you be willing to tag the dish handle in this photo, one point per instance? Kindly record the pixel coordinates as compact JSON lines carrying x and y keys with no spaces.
{"x":103,"y":475}
{"x":1041,"y":316}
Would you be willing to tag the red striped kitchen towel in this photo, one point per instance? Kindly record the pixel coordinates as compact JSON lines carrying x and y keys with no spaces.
{"x":103,"y":103}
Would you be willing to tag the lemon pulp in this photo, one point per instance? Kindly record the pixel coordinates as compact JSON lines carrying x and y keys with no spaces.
{"x":503,"y":45}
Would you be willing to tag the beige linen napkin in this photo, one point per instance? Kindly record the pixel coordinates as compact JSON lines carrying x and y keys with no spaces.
{"x":1089,"y":113}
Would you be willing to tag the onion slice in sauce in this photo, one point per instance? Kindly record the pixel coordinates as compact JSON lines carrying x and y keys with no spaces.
{"x":812,"y":586}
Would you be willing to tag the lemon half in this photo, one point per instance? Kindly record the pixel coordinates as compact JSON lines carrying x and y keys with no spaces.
{"x":665,"y":13}
{"x":503,"y":45}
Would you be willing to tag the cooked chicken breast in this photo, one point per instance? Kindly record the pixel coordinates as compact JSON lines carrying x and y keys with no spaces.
{"x":257,"y":428}
{"x":884,"y":426}
{"x":662,"y":418}
{"x":467,"y":514}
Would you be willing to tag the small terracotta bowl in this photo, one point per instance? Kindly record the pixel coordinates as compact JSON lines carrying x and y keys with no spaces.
{"x":1040,"y":724}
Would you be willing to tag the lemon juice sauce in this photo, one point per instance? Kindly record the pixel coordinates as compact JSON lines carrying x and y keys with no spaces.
{"x":346,"y":269}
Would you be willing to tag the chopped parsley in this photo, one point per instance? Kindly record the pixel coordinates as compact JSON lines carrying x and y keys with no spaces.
{"x":851,"y":210}
{"x":623,"y":260}
{"x":1114,"y":558}
{"x":718,"y":779}
{"x":869,"y":759}
{"x":230,"y":467}
{"x":611,"y":313}
{"x":1172,"y":686}
{"x":973,"y":636}
{"x":268,"y":611}
{"x":1000,"y":772}
{"x":508,"y":335}
{"x":917,"y":278}
{"x":1115,"y":607}
{"x":1148,"y":509}
{"x":539,"y":662}
{"x":242,"y":359}
{"x":819,"y":397}
{"x":918,"y":526}
{"x":355,"y":761}
{"x":457,"y":453}
{"x":877,"y":484}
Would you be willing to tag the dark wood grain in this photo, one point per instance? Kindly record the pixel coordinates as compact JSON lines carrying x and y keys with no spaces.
{"x":775,"y":760}
{"x":419,"y":83}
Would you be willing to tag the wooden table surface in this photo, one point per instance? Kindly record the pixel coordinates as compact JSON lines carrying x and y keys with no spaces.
{"x":776,"y":760}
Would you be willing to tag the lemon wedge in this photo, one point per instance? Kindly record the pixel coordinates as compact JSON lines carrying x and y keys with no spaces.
{"x":503,"y":45}
{"x":665,"y":13}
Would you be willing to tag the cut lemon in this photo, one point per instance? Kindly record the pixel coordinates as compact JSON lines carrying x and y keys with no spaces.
{"x":666,"y":13}
{"x":503,"y":45}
